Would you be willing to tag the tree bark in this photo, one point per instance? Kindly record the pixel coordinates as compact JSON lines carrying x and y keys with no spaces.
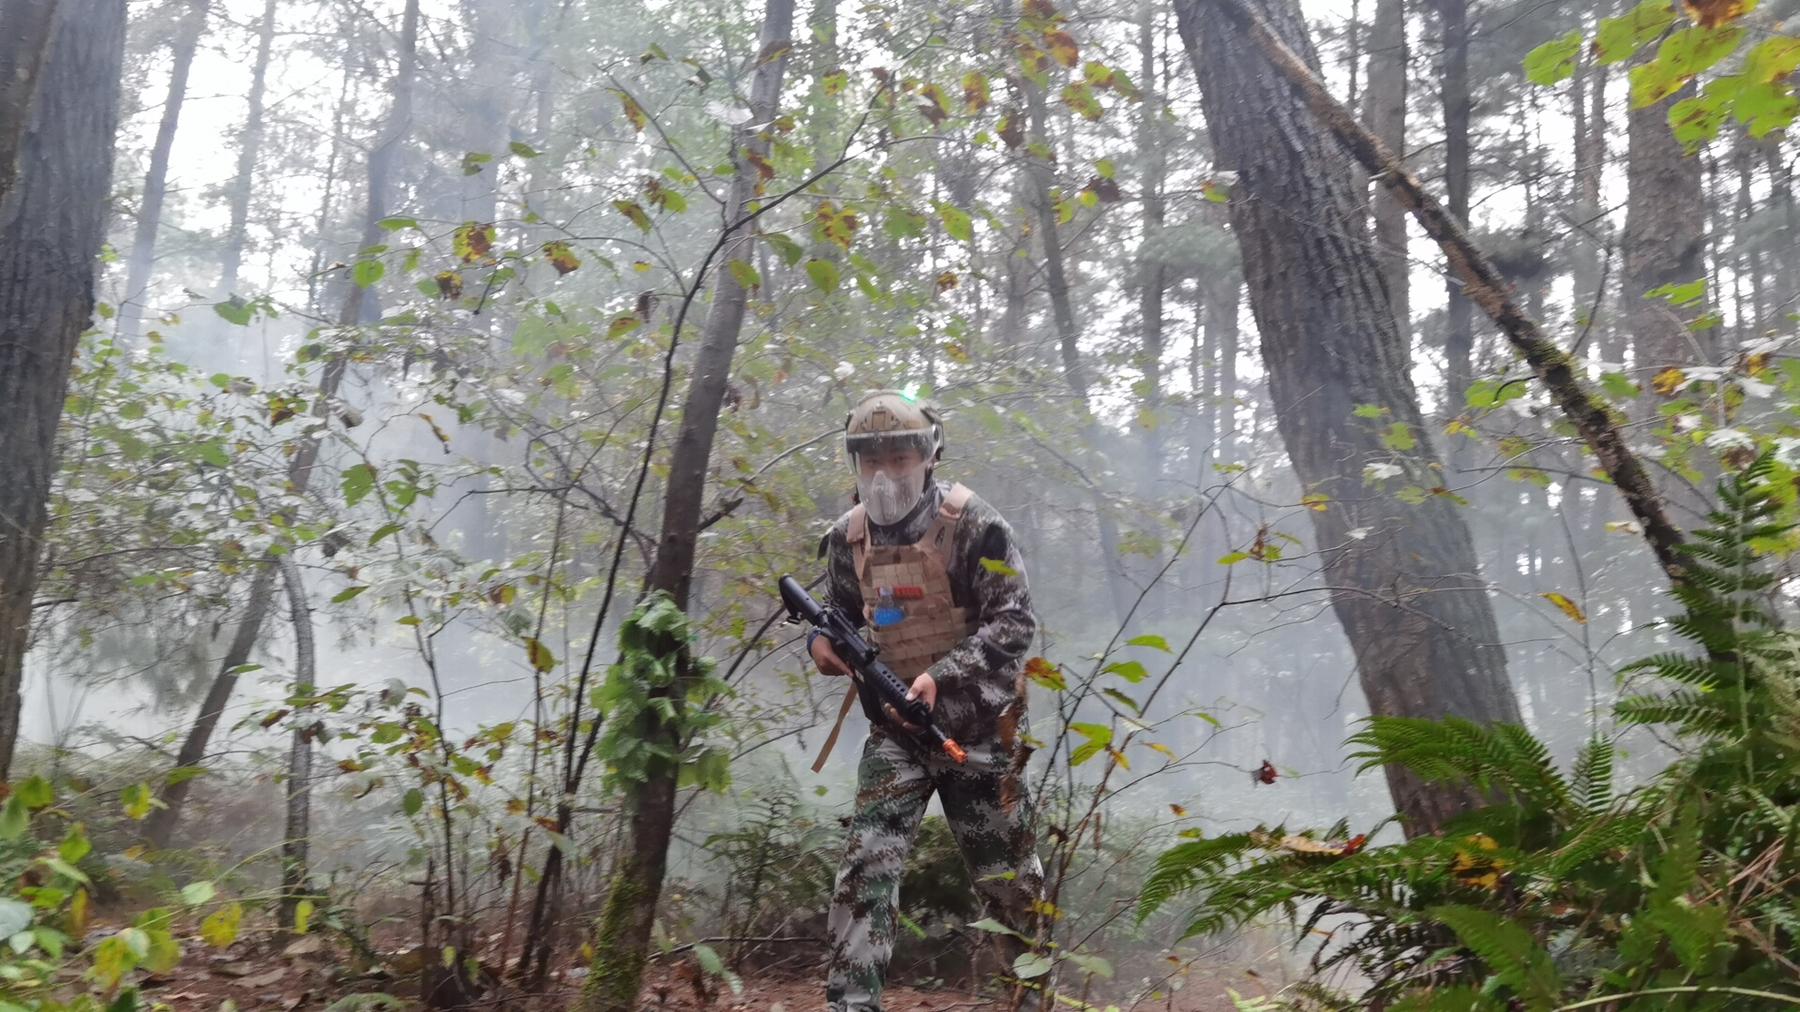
{"x":156,"y":179}
{"x":249,"y":151}
{"x":160,"y":827}
{"x":27,"y":26}
{"x":1386,"y":115}
{"x":1459,"y":337}
{"x":52,"y":223}
{"x":1665,"y":238}
{"x":298,"y":828}
{"x":622,"y":936}
{"x":1408,"y":591}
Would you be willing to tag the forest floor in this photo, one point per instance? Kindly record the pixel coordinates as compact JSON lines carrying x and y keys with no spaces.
{"x":264,"y":975}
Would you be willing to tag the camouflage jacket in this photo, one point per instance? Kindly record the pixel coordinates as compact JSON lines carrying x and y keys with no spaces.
{"x":980,"y":691}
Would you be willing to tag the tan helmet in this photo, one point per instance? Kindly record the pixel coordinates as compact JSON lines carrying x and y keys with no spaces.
{"x":891,"y":418}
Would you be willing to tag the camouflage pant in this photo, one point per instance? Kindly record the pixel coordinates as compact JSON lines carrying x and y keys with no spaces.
{"x":990,"y":815}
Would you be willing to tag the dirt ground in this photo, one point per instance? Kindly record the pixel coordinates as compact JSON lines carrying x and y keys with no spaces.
{"x":267,"y":976}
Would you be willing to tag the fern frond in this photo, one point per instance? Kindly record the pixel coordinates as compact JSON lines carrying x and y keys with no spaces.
{"x":1181,"y":868}
{"x":1508,"y":950}
{"x":1593,"y":775}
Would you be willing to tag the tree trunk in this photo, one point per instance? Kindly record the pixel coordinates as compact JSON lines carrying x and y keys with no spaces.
{"x":1459,"y":337}
{"x":1665,"y":238}
{"x":622,"y":936}
{"x":1075,"y":371}
{"x":135,"y":302}
{"x":160,"y":827}
{"x":249,"y":150}
{"x":52,"y":223}
{"x":1409,"y":591}
{"x":1150,"y":267}
{"x":1223,"y":298}
{"x":298,"y":828}
{"x":27,"y":26}
{"x":1386,"y":116}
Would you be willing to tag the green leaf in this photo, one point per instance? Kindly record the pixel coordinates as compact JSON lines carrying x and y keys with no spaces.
{"x":991,"y":925}
{"x":347,"y":594}
{"x":1149,"y":640}
{"x":1680,"y":294}
{"x":137,"y":801}
{"x":368,"y":272}
{"x":1131,"y":671}
{"x":1618,"y":386}
{"x":14,"y":818}
{"x":999,"y":567}
{"x":539,"y":655}
{"x":1091,"y":964}
{"x":65,"y":869}
{"x":114,"y":958}
{"x":823,"y":273}
{"x":744,"y":274}
{"x":383,"y":532}
{"x":1483,"y":394}
{"x":633,"y":210}
{"x":1399,"y":436}
{"x":395,"y":224}
{"x":1030,"y":964}
{"x":413,"y":802}
{"x":787,"y":249}
{"x":357,"y":482}
{"x":1369,"y":411}
{"x":1621,"y":37}
{"x":522,"y":149}
{"x":75,"y":845}
{"x":1233,"y":558}
{"x":957,"y":224}
{"x":212,"y":451}
{"x":35,"y":793}
{"x":196,"y":893}
{"x":1554,"y":61}
{"x":235,"y":311}
{"x":14,"y":916}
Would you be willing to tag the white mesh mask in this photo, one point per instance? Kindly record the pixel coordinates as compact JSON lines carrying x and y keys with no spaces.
{"x":894,"y":481}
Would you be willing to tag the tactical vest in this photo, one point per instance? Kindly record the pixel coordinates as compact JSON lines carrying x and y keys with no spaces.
{"x":908,"y":606}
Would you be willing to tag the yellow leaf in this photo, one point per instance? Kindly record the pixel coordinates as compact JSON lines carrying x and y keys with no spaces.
{"x":1160,"y":747}
{"x":1569,"y":608}
{"x":220,"y":928}
{"x":1668,"y":381}
{"x":1713,"y":13}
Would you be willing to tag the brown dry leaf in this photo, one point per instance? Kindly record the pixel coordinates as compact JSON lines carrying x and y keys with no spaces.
{"x":268,"y":979}
{"x":1713,"y":13}
{"x":310,"y":945}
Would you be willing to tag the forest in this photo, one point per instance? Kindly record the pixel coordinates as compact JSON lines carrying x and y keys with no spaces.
{"x":1367,"y":435}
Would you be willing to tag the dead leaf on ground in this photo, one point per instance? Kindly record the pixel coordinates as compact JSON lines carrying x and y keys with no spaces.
{"x":234,"y":969}
{"x":267,"y":979}
{"x":308,"y":946}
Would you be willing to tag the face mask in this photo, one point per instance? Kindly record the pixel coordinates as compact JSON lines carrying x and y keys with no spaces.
{"x":890,"y":499}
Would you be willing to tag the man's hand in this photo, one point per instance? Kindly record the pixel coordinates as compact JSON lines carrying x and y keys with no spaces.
{"x":827,"y":659}
{"x":923,"y":688}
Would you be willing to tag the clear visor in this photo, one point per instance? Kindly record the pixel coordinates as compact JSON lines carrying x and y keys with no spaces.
{"x":897,"y":453}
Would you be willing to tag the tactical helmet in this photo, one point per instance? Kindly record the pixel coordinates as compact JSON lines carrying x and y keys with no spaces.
{"x":890,"y":420}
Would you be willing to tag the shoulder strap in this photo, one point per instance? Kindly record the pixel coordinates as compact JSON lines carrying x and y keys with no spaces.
{"x":940,"y":536}
{"x":857,"y":534}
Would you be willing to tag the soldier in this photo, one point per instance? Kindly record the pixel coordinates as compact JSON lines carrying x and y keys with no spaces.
{"x":937,"y":577}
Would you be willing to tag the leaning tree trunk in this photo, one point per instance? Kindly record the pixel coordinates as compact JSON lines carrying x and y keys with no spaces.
{"x":622,"y":936}
{"x":27,"y":26}
{"x":1406,"y":584}
{"x":52,"y":223}
{"x":156,"y":178}
{"x":160,"y":827}
{"x":298,"y":826}
{"x":249,"y":151}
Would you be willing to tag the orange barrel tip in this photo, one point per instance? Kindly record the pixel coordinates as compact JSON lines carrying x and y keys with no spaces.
{"x":955,"y":751}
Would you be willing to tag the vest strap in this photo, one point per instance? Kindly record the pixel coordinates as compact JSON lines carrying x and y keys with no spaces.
{"x":836,"y":728}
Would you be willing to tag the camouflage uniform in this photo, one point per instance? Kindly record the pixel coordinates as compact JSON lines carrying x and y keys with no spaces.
{"x":981,"y":703}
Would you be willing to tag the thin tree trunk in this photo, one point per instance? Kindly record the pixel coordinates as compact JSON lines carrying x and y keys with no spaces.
{"x":1665,"y":237}
{"x":622,"y":936}
{"x":52,"y":223}
{"x":1409,"y":592}
{"x":1223,"y":300}
{"x":298,"y":828}
{"x":249,"y":151}
{"x":1386,"y":116}
{"x":136,"y":299}
{"x":1150,"y":267}
{"x":28,"y":26}
{"x":1459,"y":338}
{"x":1075,"y":371}
{"x":160,"y":827}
